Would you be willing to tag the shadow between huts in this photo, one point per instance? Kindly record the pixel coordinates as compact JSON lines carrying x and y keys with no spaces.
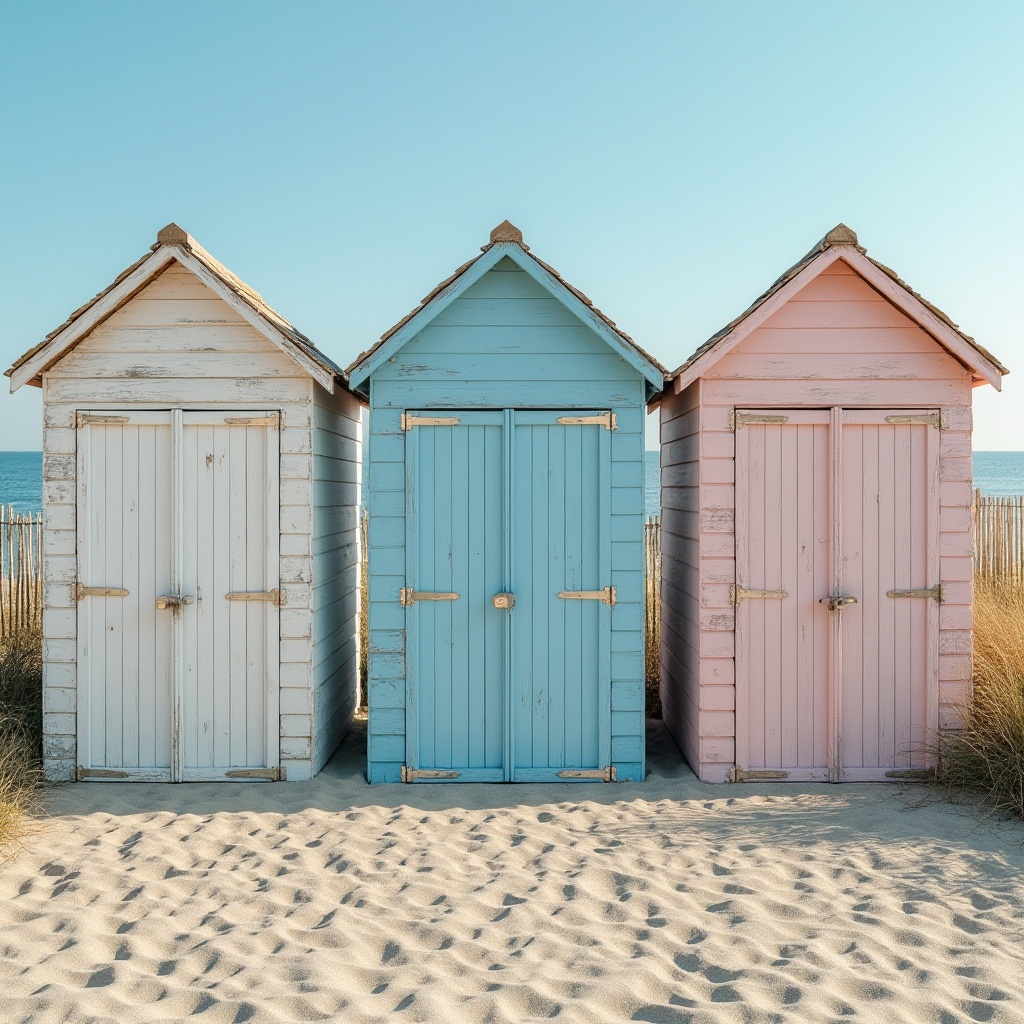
{"x":671,"y":807}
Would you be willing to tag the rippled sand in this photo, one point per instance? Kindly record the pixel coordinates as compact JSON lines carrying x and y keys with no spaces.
{"x":669,"y":901}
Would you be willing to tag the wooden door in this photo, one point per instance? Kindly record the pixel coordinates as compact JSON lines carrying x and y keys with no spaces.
{"x":561,"y":551}
{"x":178,"y":623}
{"x":456,"y":518}
{"x":783,"y":568}
{"x":513,"y":505}
{"x":229,"y":565}
{"x":889,"y":562}
{"x":125,"y":676}
{"x":836,"y":593}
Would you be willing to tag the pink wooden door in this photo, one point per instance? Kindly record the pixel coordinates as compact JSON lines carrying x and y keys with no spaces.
{"x":889,"y":546}
{"x":835,"y":504}
{"x":783,"y":568}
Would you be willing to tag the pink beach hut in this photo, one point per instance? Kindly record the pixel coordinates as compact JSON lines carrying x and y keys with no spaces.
{"x":816,"y":528}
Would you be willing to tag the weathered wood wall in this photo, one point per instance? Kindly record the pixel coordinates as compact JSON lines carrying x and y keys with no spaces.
{"x":836,"y":343}
{"x":177,"y":344}
{"x":505,"y":343}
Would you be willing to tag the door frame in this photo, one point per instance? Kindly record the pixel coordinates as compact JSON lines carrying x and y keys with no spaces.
{"x":173,"y":418}
{"x":838,"y":417}
{"x":508,"y":772}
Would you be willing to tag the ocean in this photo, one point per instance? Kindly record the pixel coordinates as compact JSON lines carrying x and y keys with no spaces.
{"x":996,"y":473}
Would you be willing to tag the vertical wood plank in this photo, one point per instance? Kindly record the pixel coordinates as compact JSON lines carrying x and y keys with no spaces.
{"x":253,"y":481}
{"x":130,"y":608}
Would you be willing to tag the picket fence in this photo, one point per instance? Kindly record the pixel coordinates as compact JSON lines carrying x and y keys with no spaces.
{"x":21,"y":571}
{"x":999,"y":537}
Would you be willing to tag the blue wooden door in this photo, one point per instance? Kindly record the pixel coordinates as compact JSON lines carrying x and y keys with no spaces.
{"x":456,"y":645}
{"x":561,"y":628}
{"x":515,"y":502}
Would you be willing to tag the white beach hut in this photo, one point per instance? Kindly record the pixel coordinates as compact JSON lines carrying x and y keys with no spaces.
{"x":201,"y":490}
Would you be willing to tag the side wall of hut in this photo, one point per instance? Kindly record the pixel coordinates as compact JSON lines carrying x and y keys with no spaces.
{"x":337,"y":471}
{"x":837,"y":342}
{"x":178,"y":344}
{"x":680,"y":578}
{"x":505,"y":343}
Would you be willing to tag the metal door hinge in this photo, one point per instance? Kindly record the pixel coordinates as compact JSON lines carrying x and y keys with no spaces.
{"x":739,"y":419}
{"x":933,"y":419}
{"x":412,"y":774}
{"x":276,"y":774}
{"x":603,"y":419}
{"x":606,"y":596}
{"x":407,"y":596}
{"x":270,"y":420}
{"x":410,"y":420}
{"x":749,"y":775}
{"x":738,"y":593}
{"x":936,"y":593}
{"x":78,"y":591}
{"x":274,"y":597}
{"x":83,"y":774}
{"x":84,"y":418}
{"x":608,"y":774}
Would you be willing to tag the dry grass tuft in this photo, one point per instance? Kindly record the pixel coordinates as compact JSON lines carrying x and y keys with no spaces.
{"x":21,"y":724}
{"x":986,"y":757}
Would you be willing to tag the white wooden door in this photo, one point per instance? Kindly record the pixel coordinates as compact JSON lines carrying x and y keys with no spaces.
{"x":179,"y":670}
{"x":836,"y":592}
{"x":125,"y":672}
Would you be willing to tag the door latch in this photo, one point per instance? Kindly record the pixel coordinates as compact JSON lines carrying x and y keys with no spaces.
{"x":506,"y":601}
{"x":172,"y":601}
{"x":836,"y":604}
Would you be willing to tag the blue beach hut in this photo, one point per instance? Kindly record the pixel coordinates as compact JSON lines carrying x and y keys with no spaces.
{"x":505,"y":497}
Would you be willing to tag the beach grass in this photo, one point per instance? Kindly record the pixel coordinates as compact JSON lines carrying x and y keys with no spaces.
{"x":21,"y":721}
{"x":985,"y":758}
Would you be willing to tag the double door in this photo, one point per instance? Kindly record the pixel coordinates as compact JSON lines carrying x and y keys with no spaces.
{"x":177,"y":595}
{"x":837,"y":592}
{"x":508,"y":595}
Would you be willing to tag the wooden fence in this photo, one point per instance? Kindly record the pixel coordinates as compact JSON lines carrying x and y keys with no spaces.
{"x":999,"y":537}
{"x":652,"y":605}
{"x":21,"y":571}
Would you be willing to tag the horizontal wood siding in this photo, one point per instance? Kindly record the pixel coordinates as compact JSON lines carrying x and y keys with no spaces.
{"x":176,"y":345}
{"x":505,"y":343}
{"x":680,"y":592}
{"x":335,"y":594}
{"x":836,"y":343}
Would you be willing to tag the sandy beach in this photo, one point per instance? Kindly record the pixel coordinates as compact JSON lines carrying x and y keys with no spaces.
{"x":670,"y":901}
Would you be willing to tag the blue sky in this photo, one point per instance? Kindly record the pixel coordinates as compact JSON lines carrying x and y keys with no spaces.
{"x":670,"y":159}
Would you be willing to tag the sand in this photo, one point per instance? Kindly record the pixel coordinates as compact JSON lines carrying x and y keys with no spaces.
{"x":670,"y":901}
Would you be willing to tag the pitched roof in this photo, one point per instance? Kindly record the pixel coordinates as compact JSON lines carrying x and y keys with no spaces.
{"x":174,"y":243}
{"x":505,"y":234}
{"x":839,"y":236}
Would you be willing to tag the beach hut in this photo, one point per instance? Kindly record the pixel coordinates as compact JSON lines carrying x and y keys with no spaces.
{"x":201,"y":475}
{"x":816,"y":528}
{"x":505,"y":492}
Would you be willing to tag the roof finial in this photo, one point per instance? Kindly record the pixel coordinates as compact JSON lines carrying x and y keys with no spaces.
{"x":172,"y":235}
{"x":841,"y":235}
{"x":506,"y":231}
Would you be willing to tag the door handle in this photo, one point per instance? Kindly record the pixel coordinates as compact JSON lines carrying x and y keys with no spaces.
{"x":172,"y":601}
{"x":506,"y":601}
{"x":836,"y":604}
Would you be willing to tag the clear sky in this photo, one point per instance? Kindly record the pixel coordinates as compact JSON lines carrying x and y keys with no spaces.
{"x":670,"y":159}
